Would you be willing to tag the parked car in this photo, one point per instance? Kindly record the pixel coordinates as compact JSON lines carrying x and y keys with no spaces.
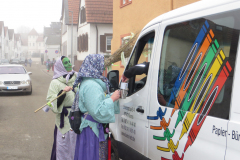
{"x":15,"y":78}
{"x":187,"y":106}
{"x":15,"y":61}
{"x":4,"y":61}
{"x":22,"y":60}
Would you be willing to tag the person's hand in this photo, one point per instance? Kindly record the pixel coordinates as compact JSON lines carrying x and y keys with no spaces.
{"x":115,"y":96}
{"x":124,"y":79}
{"x":67,"y":89}
{"x":161,"y":100}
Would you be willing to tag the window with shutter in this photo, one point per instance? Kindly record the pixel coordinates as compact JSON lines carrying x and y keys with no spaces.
{"x":102,"y":43}
{"x":86,"y":41}
{"x":82,"y":15}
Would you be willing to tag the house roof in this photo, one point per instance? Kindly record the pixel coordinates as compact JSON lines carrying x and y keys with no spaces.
{"x":99,"y":11}
{"x":73,"y":5}
{"x":24,"y":42}
{"x":51,"y":31}
{"x":40,"y":38}
{"x":5,"y":31}
{"x":33,"y":32}
{"x":1,"y":26}
{"x":16,"y":37}
{"x":53,"y":40}
{"x":67,"y":6}
{"x":10,"y":33}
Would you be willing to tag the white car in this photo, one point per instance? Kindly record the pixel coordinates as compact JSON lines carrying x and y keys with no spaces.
{"x":15,"y":78}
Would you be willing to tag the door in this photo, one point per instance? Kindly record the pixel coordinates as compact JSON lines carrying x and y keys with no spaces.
{"x":191,"y":90}
{"x":132,"y":126}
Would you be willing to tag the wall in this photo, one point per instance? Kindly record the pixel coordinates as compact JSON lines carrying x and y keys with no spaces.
{"x":91,"y":30}
{"x":69,"y":40}
{"x":133,"y":17}
{"x":51,"y":51}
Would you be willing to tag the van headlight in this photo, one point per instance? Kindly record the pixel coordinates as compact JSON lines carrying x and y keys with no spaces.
{"x":25,"y":82}
{"x":1,"y":82}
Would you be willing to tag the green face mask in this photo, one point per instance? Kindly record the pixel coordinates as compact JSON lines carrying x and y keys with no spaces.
{"x":67,"y":65}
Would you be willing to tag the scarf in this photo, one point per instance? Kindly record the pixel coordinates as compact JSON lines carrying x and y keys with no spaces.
{"x":92,"y":66}
{"x":59,"y":70}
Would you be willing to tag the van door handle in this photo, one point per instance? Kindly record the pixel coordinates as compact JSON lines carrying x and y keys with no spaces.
{"x":140,"y":110}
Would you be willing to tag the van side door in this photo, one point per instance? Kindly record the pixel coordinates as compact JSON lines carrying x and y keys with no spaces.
{"x":191,"y":89}
{"x":132,"y":126}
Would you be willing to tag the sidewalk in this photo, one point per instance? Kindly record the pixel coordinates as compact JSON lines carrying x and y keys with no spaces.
{"x":44,"y":69}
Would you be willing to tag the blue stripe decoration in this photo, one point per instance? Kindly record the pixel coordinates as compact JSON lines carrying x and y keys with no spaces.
{"x":184,"y":69}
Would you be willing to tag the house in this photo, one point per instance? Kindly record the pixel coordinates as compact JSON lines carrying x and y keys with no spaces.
{"x":2,"y":40}
{"x":94,"y":29}
{"x":11,"y":43}
{"x":32,"y":46}
{"x":17,"y":45}
{"x":40,"y":44}
{"x":24,"y":42}
{"x":69,"y":20}
{"x":6,"y":45}
{"x":52,"y":40}
{"x":53,"y":46}
{"x":132,"y":15}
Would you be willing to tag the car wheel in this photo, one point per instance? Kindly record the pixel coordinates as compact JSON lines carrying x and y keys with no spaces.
{"x":29,"y":93}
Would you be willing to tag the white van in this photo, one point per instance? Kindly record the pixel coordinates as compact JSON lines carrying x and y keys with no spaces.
{"x":194,"y":65}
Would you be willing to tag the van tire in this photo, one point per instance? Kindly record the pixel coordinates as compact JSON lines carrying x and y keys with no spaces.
{"x":114,"y":150}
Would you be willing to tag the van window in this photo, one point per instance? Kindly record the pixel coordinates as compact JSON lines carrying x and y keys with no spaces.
{"x":197,"y":64}
{"x":141,"y":55}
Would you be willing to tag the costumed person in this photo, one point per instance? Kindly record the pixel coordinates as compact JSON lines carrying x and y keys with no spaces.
{"x":53,"y":63}
{"x":30,"y":62}
{"x":64,"y":138}
{"x":48,"y":64}
{"x":98,"y":108}
{"x":26,"y":61}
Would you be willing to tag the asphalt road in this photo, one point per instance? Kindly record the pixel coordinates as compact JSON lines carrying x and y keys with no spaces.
{"x":25,"y":135}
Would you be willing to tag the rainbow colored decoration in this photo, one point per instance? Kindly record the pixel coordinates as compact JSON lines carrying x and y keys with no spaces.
{"x":202,"y":76}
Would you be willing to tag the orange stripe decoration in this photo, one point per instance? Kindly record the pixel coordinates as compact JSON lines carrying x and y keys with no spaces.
{"x":193,"y":69}
{"x":163,"y":124}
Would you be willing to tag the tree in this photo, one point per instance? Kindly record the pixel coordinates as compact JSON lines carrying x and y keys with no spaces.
{"x":126,"y":48}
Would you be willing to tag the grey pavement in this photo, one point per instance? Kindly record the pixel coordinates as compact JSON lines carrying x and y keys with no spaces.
{"x":25,"y":135}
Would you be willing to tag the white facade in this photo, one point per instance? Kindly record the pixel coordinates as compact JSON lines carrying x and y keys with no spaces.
{"x":93,"y":39}
{"x":2,"y":43}
{"x":52,"y":51}
{"x":18,"y":47}
{"x":6,"y":43}
{"x":67,"y":38}
{"x":40,"y":46}
{"x":32,"y":44}
{"x":11,"y":47}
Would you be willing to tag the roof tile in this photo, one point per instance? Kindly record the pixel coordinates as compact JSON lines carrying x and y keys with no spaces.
{"x":99,"y":11}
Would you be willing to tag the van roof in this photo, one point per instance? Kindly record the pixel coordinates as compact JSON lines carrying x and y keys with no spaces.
{"x":197,"y":6}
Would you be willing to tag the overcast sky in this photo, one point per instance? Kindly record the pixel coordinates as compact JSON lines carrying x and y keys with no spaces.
{"x":30,"y":13}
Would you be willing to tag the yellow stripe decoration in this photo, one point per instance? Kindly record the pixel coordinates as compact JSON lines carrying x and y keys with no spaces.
{"x":222,"y":54}
{"x":171,"y":146}
{"x":204,"y":88}
{"x":187,"y":122}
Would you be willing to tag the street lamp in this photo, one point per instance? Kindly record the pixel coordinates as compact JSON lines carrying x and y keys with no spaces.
{"x":72,"y":40}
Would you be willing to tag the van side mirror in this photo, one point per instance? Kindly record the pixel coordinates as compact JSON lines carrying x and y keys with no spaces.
{"x":113,"y":77}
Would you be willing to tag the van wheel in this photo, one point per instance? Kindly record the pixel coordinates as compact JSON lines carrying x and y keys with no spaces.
{"x":114,"y":150}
